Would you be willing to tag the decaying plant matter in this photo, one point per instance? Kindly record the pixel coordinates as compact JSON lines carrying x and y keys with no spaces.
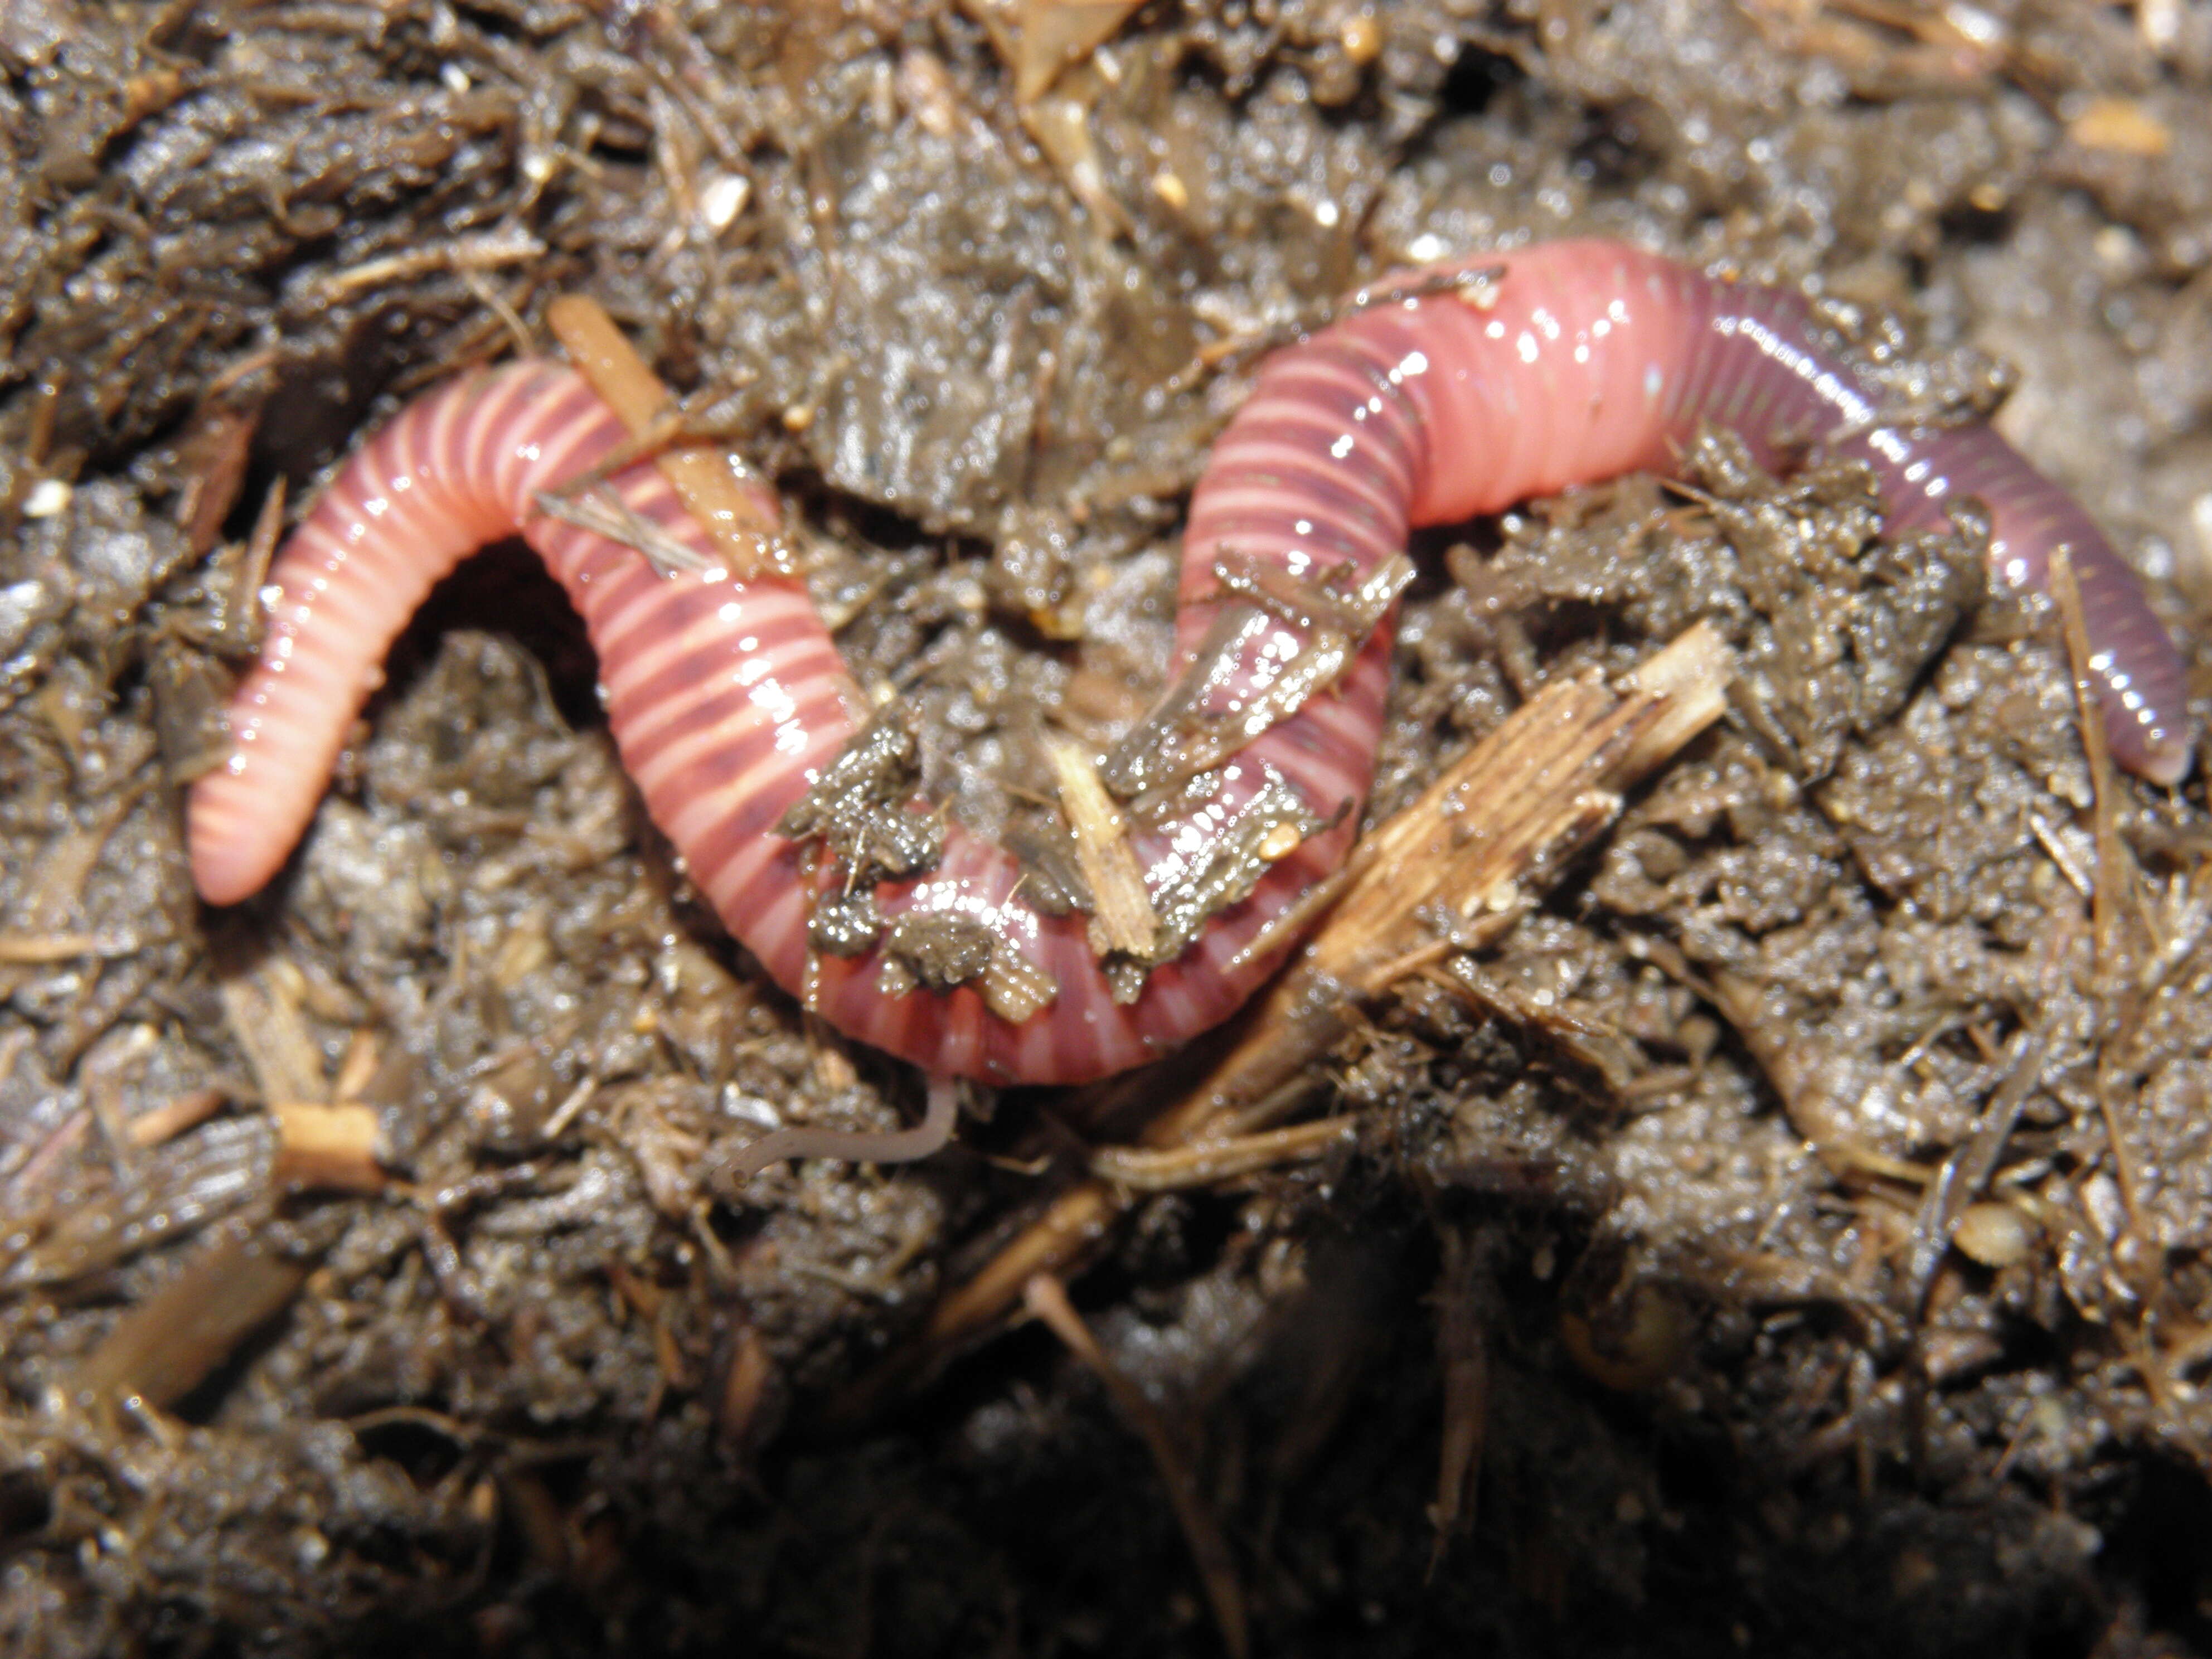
{"x":1814,"y":1158}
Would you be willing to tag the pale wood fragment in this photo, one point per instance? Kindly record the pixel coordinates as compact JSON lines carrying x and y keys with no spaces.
{"x":732,"y":515}
{"x":172,"y":1118}
{"x":1037,"y":40}
{"x":1122,"y":918}
{"x":328,"y":1147}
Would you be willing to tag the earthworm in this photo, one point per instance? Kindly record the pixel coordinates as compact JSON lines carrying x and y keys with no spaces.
{"x":1452,"y":392}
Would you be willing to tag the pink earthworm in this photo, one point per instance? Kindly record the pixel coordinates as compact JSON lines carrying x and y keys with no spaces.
{"x":1432,"y":402}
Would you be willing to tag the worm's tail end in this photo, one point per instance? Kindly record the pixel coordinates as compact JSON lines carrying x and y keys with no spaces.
{"x":430,"y":487}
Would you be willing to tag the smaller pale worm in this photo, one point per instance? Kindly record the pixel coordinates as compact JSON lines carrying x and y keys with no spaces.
{"x":892,"y":1146}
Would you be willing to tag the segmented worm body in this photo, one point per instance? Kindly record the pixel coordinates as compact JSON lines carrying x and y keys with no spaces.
{"x":1574,"y":362}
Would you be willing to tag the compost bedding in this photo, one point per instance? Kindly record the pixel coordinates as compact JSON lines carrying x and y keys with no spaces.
{"x":1790,"y":1235}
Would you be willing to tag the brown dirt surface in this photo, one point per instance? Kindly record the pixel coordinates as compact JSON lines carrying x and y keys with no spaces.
{"x":1791,"y":1233}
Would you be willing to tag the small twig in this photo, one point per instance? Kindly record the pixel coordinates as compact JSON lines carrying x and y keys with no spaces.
{"x":1315,"y":903}
{"x":2105,"y":900}
{"x":171,"y":1119}
{"x":463,"y":254}
{"x":1070,"y":1228}
{"x":603,"y":512}
{"x":568,"y":1111}
{"x":495,"y":302}
{"x":2083,"y":881}
{"x":1175,"y":1168}
{"x":1046,"y":1297}
{"x":25,"y":950}
{"x":2114,"y":867}
{"x":1476,"y":284}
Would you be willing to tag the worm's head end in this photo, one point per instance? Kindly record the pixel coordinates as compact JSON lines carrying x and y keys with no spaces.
{"x":2169,"y":757}
{"x":229,"y":847}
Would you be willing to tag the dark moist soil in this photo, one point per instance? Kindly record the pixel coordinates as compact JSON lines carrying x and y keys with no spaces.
{"x":1644,"y":1228}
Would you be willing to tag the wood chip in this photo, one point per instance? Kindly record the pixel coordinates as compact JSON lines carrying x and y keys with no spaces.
{"x":357,"y":1070}
{"x":172,"y":1118}
{"x":1122,"y":918}
{"x":2122,"y":126}
{"x":331,"y":1148}
{"x":162,"y":1349}
{"x":1038,"y":39}
{"x":745,"y":1379}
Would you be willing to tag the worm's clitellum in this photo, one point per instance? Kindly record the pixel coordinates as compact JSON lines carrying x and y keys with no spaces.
{"x":1575,"y":362}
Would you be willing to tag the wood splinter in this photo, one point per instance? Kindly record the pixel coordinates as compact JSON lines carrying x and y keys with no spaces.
{"x":731,"y":514}
{"x":1123,"y":919}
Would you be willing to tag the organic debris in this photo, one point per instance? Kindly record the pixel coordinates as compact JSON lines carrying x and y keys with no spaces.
{"x":1808,"y":1148}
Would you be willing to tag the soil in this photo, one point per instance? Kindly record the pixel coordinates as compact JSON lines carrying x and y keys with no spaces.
{"x":1791,"y":1234}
